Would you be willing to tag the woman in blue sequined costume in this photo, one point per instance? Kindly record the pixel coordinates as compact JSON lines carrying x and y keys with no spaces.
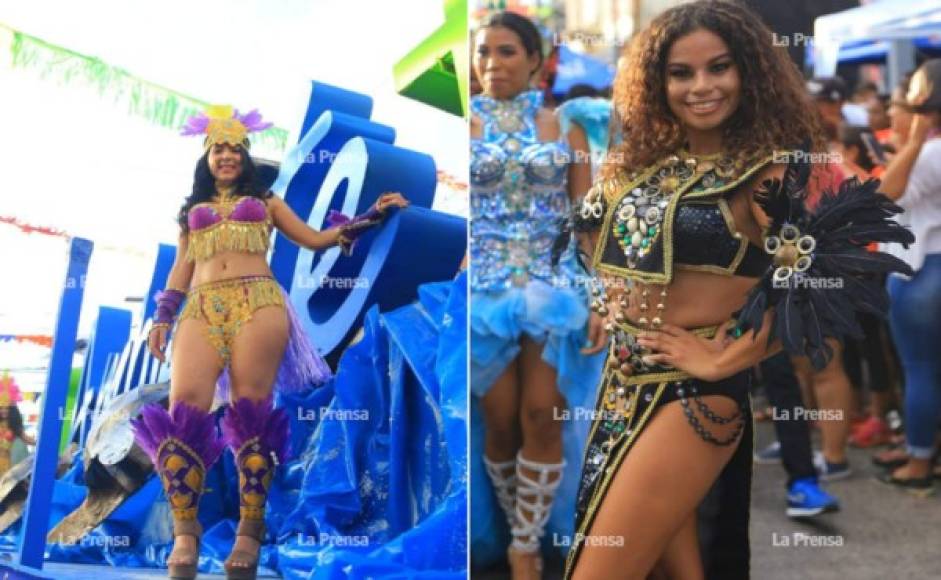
{"x":531,"y":337}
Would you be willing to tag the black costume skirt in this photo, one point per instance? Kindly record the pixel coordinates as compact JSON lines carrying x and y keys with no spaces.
{"x":625,"y":405}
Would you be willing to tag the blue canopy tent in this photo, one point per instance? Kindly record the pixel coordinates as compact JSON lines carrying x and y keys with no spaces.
{"x":895,"y":26}
{"x":876,"y":51}
{"x":580,"y":69}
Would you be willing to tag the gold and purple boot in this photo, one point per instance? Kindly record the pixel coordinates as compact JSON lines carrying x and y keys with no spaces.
{"x":257,"y":434}
{"x":183,"y":444}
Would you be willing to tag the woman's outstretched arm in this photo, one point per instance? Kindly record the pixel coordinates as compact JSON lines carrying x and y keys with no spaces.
{"x":296,"y":230}
{"x":284,"y":218}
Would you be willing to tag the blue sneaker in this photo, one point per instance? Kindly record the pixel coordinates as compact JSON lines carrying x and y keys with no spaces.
{"x":769,"y":455}
{"x":806,"y":499}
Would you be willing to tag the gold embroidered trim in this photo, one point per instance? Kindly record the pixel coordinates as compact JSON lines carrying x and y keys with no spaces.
{"x":683,"y":192}
{"x":739,"y":254}
{"x":614,"y":188}
{"x":757,"y":165}
{"x":605,"y":482}
{"x":742,"y":238}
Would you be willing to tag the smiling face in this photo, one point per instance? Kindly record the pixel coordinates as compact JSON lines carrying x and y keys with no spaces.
{"x":501,"y":62}
{"x":225,"y":162}
{"x":703,"y":85}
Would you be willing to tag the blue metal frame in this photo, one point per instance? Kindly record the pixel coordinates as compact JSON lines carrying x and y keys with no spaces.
{"x":166,"y":254}
{"x":36,"y":517}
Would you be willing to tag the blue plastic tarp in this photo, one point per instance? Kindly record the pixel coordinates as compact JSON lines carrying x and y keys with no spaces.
{"x":377,"y":483}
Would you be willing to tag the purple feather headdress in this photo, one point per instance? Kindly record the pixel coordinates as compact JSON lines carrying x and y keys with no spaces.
{"x":223,"y":124}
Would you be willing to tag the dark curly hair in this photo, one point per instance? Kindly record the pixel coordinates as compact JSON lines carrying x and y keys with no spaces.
{"x":774,"y":111}
{"x":204,"y":185}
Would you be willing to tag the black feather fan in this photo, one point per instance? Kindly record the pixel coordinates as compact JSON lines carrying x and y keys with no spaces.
{"x":842,"y":225}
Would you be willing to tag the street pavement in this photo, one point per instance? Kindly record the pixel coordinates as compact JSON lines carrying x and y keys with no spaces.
{"x":881,"y":533}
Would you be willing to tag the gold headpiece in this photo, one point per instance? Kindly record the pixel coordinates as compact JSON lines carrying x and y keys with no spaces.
{"x":223,"y":124}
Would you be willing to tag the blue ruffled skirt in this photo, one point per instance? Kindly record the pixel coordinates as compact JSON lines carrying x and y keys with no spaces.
{"x":556,"y":317}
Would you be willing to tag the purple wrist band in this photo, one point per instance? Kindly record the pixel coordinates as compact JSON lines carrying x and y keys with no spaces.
{"x":168,"y":304}
{"x":354,"y":227}
{"x":335,"y":218}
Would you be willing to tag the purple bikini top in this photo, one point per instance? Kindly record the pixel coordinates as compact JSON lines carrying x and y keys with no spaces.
{"x":247,"y":209}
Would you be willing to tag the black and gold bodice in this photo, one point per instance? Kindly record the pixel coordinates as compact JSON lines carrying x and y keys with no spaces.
{"x":672,"y":215}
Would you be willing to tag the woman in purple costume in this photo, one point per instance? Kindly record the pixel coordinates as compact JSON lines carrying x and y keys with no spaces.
{"x":237,"y":330}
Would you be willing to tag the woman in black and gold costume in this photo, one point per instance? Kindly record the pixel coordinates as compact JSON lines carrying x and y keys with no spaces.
{"x":709,"y":262}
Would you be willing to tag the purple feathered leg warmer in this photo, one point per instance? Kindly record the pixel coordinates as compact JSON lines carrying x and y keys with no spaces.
{"x":183,"y":444}
{"x":257,"y":434}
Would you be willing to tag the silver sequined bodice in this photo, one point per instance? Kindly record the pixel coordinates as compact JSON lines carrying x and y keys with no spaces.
{"x":518,"y":195}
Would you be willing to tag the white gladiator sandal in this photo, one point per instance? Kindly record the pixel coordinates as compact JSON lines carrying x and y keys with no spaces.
{"x":534,"y":499}
{"x":503,"y":477}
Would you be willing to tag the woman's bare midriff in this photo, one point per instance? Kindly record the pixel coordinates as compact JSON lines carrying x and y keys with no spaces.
{"x":227,"y":265}
{"x":694,"y":299}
